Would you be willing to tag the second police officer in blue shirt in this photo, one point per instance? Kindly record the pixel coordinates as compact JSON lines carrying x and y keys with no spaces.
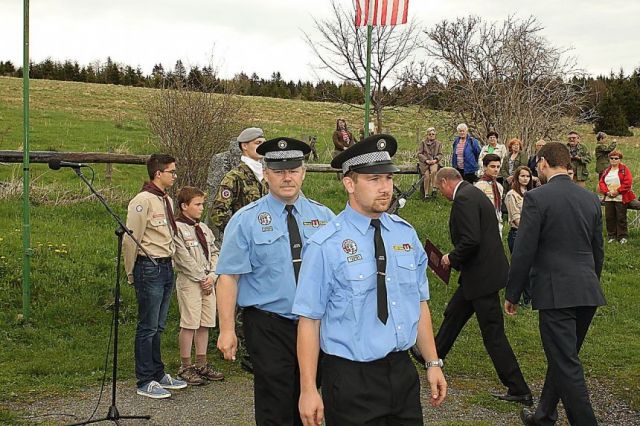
{"x":362,"y":298}
{"x":258,"y":267}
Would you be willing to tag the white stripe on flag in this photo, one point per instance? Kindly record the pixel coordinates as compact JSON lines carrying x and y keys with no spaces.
{"x":381,"y":12}
{"x":371,"y":12}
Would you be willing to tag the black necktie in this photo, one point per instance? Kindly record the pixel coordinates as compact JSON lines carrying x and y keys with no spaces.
{"x":381,"y":263}
{"x":294,"y":240}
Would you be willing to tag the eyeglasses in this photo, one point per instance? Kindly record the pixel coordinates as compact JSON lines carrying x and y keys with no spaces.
{"x":173,"y":172}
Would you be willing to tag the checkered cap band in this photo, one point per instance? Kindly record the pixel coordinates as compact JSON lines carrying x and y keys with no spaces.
{"x":284,"y":155}
{"x":370,"y":157}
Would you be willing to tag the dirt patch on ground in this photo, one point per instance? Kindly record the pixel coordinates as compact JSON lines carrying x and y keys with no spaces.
{"x":231,"y":403}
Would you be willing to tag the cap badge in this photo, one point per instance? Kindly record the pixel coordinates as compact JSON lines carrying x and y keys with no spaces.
{"x":282,"y":144}
{"x":264,"y":218}
{"x":382,"y":144}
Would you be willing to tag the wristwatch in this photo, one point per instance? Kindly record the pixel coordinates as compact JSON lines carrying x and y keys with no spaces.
{"x":436,"y":363}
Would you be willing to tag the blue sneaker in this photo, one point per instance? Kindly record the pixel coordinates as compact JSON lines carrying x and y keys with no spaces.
{"x":153,"y":390}
{"x":169,"y":382}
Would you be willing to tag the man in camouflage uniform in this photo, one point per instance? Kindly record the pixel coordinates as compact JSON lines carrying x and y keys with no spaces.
{"x":239,"y":187}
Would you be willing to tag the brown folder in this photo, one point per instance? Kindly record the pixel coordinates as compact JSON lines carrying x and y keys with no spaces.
{"x":434,"y":255}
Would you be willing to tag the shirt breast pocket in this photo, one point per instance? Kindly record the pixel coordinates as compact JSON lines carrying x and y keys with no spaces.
{"x":406,"y":269}
{"x":361,"y":277}
{"x":264,"y":247}
{"x":158,"y":222}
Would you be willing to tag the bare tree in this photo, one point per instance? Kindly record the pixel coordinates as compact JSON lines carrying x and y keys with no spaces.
{"x":341,"y":48}
{"x":192,"y":126}
{"x":503,"y":76}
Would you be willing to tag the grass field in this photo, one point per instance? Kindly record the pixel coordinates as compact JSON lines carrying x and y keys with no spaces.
{"x":62,"y":349}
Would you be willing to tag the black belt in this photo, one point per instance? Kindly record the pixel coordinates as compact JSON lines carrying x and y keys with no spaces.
{"x":157,"y":259}
{"x":390,"y":357}
{"x":270,"y":314}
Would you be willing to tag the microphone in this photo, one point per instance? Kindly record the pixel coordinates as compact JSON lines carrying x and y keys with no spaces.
{"x":57,"y":164}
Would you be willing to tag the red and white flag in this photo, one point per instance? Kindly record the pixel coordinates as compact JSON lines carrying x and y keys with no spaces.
{"x":381,"y":12}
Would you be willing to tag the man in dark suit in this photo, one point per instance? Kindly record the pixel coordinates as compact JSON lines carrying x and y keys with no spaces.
{"x":559,"y":249}
{"x":480,"y":258}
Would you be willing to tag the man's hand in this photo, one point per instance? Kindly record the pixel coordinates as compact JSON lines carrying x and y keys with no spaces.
{"x":228,"y":344}
{"x":445,"y":261}
{"x":438,"y":384}
{"x":311,"y":408}
{"x":510,"y":308}
{"x":509,"y":179}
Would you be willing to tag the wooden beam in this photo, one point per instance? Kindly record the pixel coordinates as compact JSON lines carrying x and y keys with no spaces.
{"x":104,"y":157}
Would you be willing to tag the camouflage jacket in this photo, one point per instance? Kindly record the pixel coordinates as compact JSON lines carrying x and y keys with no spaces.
{"x":238,"y":188}
{"x":580,"y":166}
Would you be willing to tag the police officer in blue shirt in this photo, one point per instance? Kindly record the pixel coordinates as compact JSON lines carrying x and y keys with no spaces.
{"x":258,"y":268}
{"x":362,"y":298}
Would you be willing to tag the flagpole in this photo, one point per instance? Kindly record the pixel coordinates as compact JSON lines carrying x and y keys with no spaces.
{"x":26,"y":225}
{"x":367,"y":87}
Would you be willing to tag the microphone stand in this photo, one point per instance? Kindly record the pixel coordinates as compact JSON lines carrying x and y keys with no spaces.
{"x":113,"y":415}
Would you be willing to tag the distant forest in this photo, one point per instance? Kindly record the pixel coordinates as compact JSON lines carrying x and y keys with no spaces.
{"x":615,"y":98}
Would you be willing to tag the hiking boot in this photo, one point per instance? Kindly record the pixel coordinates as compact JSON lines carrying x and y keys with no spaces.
{"x":207,"y":372}
{"x":169,"y":382}
{"x":190,"y":375}
{"x":153,"y":390}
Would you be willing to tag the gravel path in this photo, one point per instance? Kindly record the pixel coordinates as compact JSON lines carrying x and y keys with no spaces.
{"x":231,"y":403}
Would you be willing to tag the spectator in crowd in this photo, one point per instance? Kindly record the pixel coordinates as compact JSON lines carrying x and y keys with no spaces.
{"x":466,"y":150}
{"x":532,"y":163}
{"x":580,"y":157}
{"x":492,"y":147}
{"x":195,"y":260}
{"x":615,"y":183}
{"x":522,"y":182}
{"x":429,"y":156}
{"x":490,"y":186}
{"x":602,"y":152}
{"x":342,"y":138}
{"x":512,"y":161}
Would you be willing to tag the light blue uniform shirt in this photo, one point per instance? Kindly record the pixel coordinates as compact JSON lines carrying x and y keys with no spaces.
{"x":338,"y":279}
{"x":256,"y":247}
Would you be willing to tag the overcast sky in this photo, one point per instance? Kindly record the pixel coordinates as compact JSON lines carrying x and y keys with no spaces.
{"x":265,"y":35}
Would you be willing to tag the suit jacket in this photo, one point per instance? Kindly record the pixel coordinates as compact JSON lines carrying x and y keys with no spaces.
{"x":478,"y":252}
{"x":559,"y":247}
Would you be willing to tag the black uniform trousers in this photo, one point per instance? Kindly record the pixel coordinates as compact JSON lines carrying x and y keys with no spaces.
{"x":562,"y":332}
{"x":271,"y":342}
{"x":488,"y":311}
{"x":382,"y":392}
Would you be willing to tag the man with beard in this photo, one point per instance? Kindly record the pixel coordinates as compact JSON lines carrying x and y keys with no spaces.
{"x":362,"y":299}
{"x":258,"y":267}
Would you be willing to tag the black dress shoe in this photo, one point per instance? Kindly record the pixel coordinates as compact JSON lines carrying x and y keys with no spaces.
{"x":527,"y":418}
{"x":525,"y":399}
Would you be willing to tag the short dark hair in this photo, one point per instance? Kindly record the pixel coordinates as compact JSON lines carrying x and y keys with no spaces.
{"x":573,"y":132}
{"x":489,"y":158}
{"x":188,"y":193}
{"x":157,"y":163}
{"x":492,"y":133}
{"x":556,"y":154}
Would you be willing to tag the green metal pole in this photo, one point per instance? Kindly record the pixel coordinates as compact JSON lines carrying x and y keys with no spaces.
{"x":26,"y":226}
{"x":367,"y":86}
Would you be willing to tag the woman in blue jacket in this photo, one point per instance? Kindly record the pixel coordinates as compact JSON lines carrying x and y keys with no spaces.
{"x":465,"y":154}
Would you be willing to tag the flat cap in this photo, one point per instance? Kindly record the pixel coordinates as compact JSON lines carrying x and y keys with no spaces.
{"x":283,"y":153}
{"x":249,"y":134}
{"x":369,"y":156}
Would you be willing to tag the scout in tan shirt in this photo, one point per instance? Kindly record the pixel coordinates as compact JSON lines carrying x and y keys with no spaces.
{"x":195,"y":260}
{"x":150,"y":218}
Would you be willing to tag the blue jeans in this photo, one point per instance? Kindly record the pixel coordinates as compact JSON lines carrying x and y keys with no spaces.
{"x":154,"y":285}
